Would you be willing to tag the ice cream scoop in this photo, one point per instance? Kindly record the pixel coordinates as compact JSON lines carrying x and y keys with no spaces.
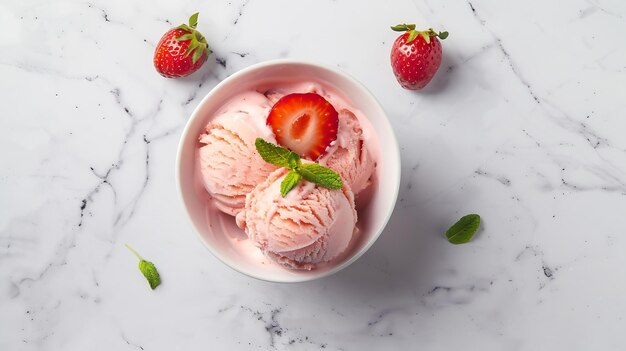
{"x":309,"y":226}
{"x":349,"y":155}
{"x":228,"y":161}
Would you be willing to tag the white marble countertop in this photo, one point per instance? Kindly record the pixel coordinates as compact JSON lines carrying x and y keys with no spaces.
{"x":524,"y":124}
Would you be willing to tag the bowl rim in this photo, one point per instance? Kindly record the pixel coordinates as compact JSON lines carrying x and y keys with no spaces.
{"x":393,"y":143}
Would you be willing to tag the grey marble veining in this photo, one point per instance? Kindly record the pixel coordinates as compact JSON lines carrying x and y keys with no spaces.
{"x":522,"y":124}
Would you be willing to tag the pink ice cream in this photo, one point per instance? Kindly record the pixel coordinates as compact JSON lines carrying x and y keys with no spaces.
{"x":312,"y":224}
{"x":349,"y":156}
{"x":309,"y":226}
{"x":228,"y":160}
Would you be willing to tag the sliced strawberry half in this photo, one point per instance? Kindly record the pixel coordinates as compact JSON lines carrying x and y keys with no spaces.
{"x":304,"y":123}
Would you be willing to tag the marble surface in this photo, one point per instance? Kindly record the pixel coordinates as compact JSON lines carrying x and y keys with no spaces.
{"x":524,"y":124}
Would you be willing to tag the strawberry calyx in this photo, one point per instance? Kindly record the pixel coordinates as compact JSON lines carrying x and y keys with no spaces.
{"x":426,"y":34}
{"x":198,"y":45}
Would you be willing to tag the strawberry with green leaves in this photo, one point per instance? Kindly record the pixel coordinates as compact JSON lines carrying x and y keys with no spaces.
{"x":416,"y":56}
{"x":181,"y":51}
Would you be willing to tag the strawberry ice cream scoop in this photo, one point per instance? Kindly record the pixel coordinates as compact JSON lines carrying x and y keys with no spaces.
{"x":309,"y":226}
{"x":228,"y":160}
{"x":349,"y":154}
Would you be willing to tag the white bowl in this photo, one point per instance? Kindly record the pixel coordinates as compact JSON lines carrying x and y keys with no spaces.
{"x":240,"y":254}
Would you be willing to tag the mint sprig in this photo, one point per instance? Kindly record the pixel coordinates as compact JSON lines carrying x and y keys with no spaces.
{"x":312,"y":172}
{"x":464,"y":229}
{"x":148,"y":269}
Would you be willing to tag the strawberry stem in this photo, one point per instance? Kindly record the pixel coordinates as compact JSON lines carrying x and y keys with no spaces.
{"x":197,"y":45}
{"x":426,"y":34}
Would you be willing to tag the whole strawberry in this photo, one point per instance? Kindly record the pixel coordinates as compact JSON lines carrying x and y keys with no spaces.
{"x":181,"y":51}
{"x":416,"y":56}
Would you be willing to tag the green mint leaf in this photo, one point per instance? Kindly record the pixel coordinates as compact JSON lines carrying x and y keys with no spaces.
{"x":443,"y":35}
{"x":193,"y":20}
{"x":412,"y":35}
{"x":463,"y":230}
{"x":320,"y":175}
{"x":148,"y":269}
{"x":294,"y":160}
{"x":276,"y":155}
{"x":291,"y":180}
